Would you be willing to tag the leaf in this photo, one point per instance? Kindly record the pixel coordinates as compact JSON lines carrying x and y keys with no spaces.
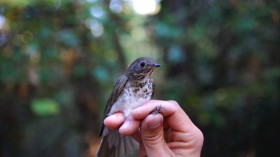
{"x":45,"y":107}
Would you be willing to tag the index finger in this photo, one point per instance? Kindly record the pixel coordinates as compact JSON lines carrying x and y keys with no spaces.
{"x":174,"y":115}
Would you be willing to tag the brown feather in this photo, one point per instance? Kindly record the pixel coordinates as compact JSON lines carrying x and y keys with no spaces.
{"x":116,"y":92}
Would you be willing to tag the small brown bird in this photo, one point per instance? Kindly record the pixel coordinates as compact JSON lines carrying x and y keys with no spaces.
{"x":133,"y":88}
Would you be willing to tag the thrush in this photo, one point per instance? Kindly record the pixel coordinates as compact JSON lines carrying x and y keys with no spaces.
{"x":133,"y":88}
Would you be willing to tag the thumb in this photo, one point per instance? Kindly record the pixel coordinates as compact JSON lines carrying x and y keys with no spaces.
{"x":152,"y":135}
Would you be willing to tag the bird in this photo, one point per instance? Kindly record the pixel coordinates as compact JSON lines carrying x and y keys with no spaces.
{"x":132,"y":89}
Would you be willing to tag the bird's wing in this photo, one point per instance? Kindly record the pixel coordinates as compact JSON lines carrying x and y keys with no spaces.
{"x":117,"y":90}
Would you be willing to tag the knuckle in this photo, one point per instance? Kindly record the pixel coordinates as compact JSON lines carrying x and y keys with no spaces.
{"x":175,"y":105}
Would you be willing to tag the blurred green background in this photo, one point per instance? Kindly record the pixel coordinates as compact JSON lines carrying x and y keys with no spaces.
{"x":60,"y":58}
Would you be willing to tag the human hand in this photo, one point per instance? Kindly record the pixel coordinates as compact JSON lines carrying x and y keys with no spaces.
{"x":170,"y":133}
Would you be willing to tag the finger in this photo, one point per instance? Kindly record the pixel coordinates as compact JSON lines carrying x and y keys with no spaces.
{"x":114,"y":121}
{"x":129,"y":127}
{"x":152,"y":136}
{"x":179,"y":121}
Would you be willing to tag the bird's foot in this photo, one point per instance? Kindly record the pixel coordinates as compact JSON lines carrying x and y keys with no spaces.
{"x":158,"y":109}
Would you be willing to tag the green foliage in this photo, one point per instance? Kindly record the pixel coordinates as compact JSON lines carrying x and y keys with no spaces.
{"x":44,"y":107}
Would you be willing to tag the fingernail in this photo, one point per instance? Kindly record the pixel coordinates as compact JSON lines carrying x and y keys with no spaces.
{"x":110,"y":117}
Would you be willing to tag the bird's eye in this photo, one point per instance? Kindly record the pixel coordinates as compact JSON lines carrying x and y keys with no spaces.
{"x":142,"y":64}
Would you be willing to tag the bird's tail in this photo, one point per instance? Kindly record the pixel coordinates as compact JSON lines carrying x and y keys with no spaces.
{"x":115,"y":145}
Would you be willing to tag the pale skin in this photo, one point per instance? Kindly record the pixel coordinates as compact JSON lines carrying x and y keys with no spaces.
{"x":169,"y":133}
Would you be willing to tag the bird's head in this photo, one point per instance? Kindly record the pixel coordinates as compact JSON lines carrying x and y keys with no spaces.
{"x":141,"y":68}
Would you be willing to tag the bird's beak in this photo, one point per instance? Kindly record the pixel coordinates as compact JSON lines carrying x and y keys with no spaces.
{"x":156,"y":65}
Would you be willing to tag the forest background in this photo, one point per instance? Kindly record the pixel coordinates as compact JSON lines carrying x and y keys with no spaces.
{"x":59,"y":60}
